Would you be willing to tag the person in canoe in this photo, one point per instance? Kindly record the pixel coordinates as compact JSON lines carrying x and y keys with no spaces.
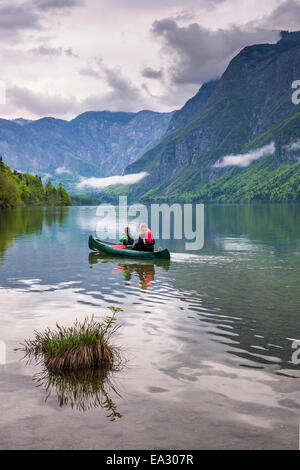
{"x":146,"y":241}
{"x":126,"y":238}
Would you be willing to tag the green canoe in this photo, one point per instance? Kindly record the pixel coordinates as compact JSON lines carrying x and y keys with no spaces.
{"x":109,"y":248}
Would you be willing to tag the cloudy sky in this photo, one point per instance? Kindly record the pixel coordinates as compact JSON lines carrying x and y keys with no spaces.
{"x":63,"y":57}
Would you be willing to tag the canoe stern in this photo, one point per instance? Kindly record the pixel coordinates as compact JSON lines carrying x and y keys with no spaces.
{"x":91,"y":243}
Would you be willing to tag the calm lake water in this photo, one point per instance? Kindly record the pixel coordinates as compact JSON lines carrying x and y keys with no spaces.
{"x":207,"y":337}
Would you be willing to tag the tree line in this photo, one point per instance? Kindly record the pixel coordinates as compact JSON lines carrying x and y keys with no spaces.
{"x":25,"y":189}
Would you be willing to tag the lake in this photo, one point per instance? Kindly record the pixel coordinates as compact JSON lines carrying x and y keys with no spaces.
{"x":208,"y":337}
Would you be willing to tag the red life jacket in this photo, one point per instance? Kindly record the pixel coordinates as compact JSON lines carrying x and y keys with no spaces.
{"x":149,"y":238}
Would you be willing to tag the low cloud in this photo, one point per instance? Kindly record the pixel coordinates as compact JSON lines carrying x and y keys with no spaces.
{"x":46,"y":177}
{"x":99,"y":183}
{"x":294,"y":146}
{"x":244,"y":159}
{"x":62,"y":170}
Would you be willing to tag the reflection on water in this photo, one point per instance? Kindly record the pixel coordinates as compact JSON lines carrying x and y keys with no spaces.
{"x":145,"y":273}
{"x":28,"y":221}
{"x":276,"y":224}
{"x":145,"y":270}
{"x":209,"y":334}
{"x":82,"y":390}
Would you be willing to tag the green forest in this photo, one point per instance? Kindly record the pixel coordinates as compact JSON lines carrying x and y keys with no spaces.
{"x":23,"y":189}
{"x":263,"y":181}
{"x":78,"y":200}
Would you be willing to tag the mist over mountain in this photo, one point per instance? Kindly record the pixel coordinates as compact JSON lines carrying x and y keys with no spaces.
{"x":248,"y":108}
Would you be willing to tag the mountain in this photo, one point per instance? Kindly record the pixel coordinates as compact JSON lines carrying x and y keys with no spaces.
{"x":21,"y":121}
{"x":189,"y":111}
{"x":92,"y":144}
{"x":248,"y":108}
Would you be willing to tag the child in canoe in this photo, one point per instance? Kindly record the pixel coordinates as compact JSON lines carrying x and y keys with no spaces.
{"x":126,"y":238}
{"x":146,"y":241}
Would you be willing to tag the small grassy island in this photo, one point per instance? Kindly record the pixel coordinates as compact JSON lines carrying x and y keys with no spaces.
{"x":85,"y":345}
{"x":78,"y":363}
{"x":27,"y":190}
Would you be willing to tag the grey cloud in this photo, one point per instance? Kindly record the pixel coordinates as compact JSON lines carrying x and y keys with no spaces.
{"x":52,"y":51}
{"x":162,"y":5}
{"x":40,"y":104}
{"x":47,"y":5}
{"x":144,"y":87}
{"x":90,"y":72}
{"x":17,"y":17}
{"x":119,"y":83}
{"x":184,"y":15}
{"x":45,"y":50}
{"x":70,"y":52}
{"x":285,"y":16}
{"x":122,"y":96}
{"x":148,"y":72}
{"x":199,"y":54}
{"x":27,"y":15}
{"x":95,"y":68}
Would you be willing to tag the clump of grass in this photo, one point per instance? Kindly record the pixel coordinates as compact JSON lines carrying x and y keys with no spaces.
{"x":85,"y":345}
